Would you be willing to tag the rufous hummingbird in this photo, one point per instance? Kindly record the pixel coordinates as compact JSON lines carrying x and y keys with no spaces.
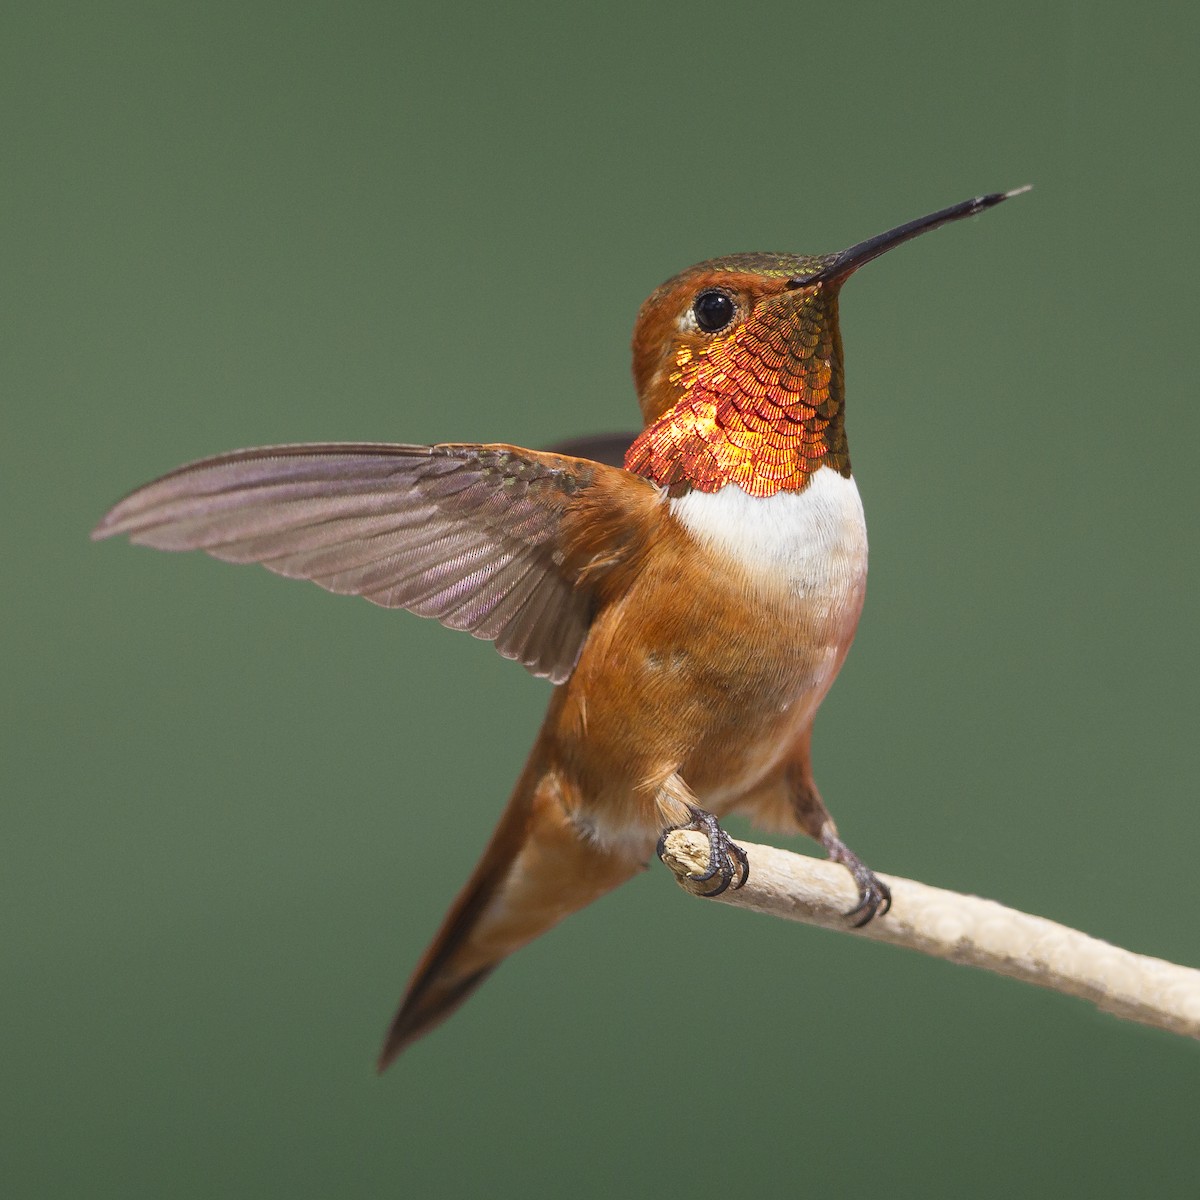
{"x":691,"y":608}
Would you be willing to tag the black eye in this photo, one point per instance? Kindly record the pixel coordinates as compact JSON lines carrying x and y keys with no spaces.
{"x":713,"y":310}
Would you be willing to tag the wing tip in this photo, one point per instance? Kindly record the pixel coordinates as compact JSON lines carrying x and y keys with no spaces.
{"x":106,"y":527}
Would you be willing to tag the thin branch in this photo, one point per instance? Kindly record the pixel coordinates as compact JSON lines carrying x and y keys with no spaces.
{"x":963,"y":929}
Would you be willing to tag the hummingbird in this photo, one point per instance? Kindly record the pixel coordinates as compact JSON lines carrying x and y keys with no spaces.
{"x":691,"y":591}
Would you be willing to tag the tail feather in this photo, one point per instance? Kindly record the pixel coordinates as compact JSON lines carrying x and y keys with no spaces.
{"x":537,"y":869}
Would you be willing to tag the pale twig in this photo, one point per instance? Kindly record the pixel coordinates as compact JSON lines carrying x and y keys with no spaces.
{"x":963,"y":929}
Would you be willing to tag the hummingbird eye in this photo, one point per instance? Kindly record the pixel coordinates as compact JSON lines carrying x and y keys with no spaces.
{"x":713,"y":310}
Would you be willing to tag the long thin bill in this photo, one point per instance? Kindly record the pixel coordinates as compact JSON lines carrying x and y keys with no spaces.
{"x":841,"y":265}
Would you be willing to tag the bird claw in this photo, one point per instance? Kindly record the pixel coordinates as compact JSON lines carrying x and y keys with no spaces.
{"x":874,"y":899}
{"x":727,"y":861}
{"x":874,"y":896}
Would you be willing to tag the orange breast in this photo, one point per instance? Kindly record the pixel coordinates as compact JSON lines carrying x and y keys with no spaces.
{"x":715,"y":659}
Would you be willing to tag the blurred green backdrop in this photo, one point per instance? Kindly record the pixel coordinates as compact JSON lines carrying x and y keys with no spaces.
{"x":235,"y":808}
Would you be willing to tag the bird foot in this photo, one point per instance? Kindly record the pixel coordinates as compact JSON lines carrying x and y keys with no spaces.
{"x":727,"y":861}
{"x":874,"y":896}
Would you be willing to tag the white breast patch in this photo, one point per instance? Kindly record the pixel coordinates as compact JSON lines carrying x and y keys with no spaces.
{"x":814,"y":541}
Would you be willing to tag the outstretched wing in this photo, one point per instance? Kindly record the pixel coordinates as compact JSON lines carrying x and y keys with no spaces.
{"x":473,"y":535}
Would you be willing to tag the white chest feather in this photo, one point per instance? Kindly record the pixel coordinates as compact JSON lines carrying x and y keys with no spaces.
{"x":812,"y":543}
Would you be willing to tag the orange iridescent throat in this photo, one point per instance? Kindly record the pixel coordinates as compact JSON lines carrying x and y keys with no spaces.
{"x":760,"y":406}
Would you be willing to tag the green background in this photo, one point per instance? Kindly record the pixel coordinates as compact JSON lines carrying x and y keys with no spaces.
{"x":235,"y":807}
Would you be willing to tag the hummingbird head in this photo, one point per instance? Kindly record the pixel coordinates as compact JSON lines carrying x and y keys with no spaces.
{"x":738,"y":366}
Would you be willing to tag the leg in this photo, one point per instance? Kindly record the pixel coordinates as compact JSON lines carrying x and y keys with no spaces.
{"x":727,"y":862}
{"x":874,"y":896}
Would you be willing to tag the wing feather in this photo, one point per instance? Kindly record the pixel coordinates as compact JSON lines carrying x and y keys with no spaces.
{"x":472,"y":535}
